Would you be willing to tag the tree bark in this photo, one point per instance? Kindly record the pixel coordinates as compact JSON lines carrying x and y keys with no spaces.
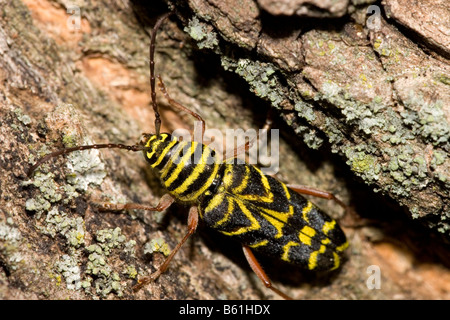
{"x":361,"y":97}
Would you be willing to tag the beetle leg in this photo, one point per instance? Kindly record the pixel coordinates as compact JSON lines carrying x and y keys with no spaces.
{"x":165,"y":202}
{"x":258,"y":270}
{"x":192,"y":226}
{"x":178,"y":105}
{"x":350,"y":215}
{"x":227,"y":155}
{"x":317,"y":193}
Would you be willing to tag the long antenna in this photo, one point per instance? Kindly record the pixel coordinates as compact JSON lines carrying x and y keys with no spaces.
{"x":152,"y":71}
{"x":57,"y":153}
{"x":133,"y":148}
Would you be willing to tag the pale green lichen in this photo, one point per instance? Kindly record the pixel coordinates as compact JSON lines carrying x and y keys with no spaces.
{"x":130,"y":272}
{"x":363,"y":163}
{"x":305,"y":110}
{"x":25,"y":119}
{"x":367,"y":117}
{"x":72,"y":228}
{"x":50,"y":193}
{"x":69,"y":269}
{"x":335,"y":135}
{"x":38,"y":204}
{"x":312,"y":140}
{"x":47,"y":186}
{"x":130,"y":248}
{"x":157,"y":245}
{"x":86,"y":169}
{"x":104,"y":279}
{"x":260,"y":75}
{"x":427,"y":120}
{"x":110,"y":239}
{"x":409,"y":168}
{"x":10,"y":242}
{"x":107,"y":240}
{"x":99,"y":277}
{"x":438,"y":158}
{"x":97,"y":265}
{"x":199,"y":32}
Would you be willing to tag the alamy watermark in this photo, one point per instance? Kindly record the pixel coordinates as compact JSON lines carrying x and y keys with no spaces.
{"x":238,"y":145}
{"x":374,"y":20}
{"x":374,"y":279}
{"x":74,"y":20}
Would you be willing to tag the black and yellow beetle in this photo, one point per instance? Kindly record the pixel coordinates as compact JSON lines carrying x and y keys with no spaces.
{"x":234,"y":198}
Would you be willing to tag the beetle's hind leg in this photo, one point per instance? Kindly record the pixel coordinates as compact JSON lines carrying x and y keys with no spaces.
{"x":350,"y":216}
{"x":258,"y":270}
{"x":317,"y":193}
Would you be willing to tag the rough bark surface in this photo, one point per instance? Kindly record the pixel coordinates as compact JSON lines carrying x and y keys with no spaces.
{"x":362,"y":97}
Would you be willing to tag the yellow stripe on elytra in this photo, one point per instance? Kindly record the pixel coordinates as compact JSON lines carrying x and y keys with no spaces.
{"x":214,"y":202}
{"x":306,"y":210}
{"x":281,"y":216}
{"x":276,"y":223}
{"x":244,"y":182}
{"x":337,"y":261}
{"x":277,"y":219}
{"x":306,"y":234}
{"x":286,"y":191}
{"x":312,"y":263}
{"x":267,"y":197}
{"x":327,"y":226}
{"x":253,"y":226}
{"x":228,"y":177}
{"x":286,"y":248}
{"x":259,"y":244}
{"x":226,"y":217}
{"x":342,"y":247}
